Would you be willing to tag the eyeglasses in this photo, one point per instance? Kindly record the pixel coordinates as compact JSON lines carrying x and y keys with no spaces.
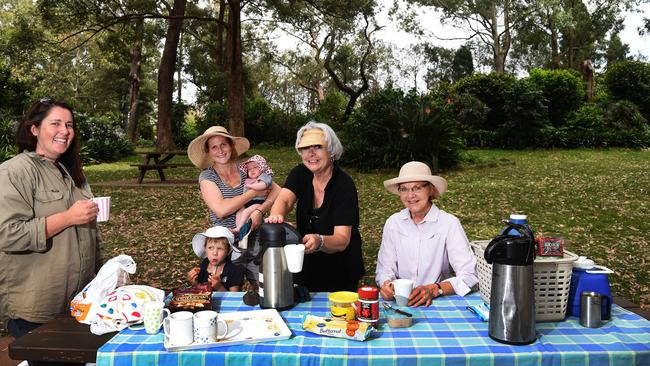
{"x":415,"y":189}
{"x":312,"y":148}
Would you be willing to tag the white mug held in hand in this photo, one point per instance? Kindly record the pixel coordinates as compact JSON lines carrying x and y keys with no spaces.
{"x":179,"y":328}
{"x":206,"y":329}
{"x":403,"y":288}
{"x":104,"y":205}
{"x":295,"y":255}
{"x":153,"y":315}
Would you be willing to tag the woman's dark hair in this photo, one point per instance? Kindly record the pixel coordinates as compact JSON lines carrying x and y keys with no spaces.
{"x":26,"y":141}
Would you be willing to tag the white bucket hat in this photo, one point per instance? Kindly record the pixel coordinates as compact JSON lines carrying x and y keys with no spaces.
{"x":198,"y":242}
{"x":199,"y":156}
{"x":415,"y":171}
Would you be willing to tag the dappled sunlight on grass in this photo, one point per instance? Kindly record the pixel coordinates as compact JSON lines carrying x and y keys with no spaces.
{"x":597,"y":200}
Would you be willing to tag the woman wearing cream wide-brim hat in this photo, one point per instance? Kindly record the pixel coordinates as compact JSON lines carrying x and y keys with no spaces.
{"x":422,"y":242}
{"x":222,"y":183}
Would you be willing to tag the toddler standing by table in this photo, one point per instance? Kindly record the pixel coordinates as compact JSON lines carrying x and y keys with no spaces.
{"x":216,"y":268}
{"x":259,"y":178}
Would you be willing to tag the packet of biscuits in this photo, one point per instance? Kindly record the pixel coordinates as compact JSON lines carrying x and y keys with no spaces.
{"x":195,"y":298}
{"x":339,"y":328}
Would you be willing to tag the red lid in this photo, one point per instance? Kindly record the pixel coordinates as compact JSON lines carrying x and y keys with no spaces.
{"x":368,"y":292}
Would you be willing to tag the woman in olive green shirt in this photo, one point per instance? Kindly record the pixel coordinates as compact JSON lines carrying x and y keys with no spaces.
{"x":49,"y":243}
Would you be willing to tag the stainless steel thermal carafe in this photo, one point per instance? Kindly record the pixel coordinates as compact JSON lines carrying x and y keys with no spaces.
{"x":512,"y":291}
{"x":276,"y":282}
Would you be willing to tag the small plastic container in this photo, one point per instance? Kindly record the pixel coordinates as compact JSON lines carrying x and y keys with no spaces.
{"x":396,"y":320}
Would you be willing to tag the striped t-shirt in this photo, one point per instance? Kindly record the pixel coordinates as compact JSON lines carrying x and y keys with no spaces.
{"x":227,"y":192}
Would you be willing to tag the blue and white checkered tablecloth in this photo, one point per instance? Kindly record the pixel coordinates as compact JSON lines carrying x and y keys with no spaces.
{"x":443,"y":334}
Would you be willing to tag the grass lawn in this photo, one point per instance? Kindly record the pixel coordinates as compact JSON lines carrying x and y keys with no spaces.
{"x":597,"y":200}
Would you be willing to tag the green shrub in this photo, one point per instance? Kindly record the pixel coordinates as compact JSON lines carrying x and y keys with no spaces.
{"x":7,"y":139}
{"x":182,"y":133}
{"x":630,"y":80}
{"x":584,"y":127}
{"x":331,"y":109}
{"x":391,"y":128}
{"x":492,"y":90}
{"x":13,"y":95}
{"x":525,"y":115}
{"x":262,"y":123}
{"x":102,"y":138}
{"x":563,"y":90}
{"x":269,"y":126}
{"x":214,"y":114}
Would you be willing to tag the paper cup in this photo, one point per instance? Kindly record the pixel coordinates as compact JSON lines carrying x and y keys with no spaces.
{"x":104,"y":204}
{"x":295,"y":254}
{"x":403,"y":288}
{"x":153,"y":315}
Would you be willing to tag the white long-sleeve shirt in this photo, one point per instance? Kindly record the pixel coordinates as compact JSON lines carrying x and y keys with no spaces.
{"x":426,"y":252}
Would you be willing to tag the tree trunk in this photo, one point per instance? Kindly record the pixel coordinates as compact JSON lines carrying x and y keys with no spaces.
{"x":587,"y":70}
{"x":220,"y":60}
{"x":555,"y":54}
{"x":134,"y":88}
{"x":165,"y":140}
{"x":179,"y":71}
{"x":235,"y":70}
{"x":500,"y":48}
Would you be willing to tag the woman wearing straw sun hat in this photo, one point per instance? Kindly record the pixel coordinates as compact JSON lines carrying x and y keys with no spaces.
{"x":327,"y":212}
{"x":422,"y":242}
{"x":222,"y":183}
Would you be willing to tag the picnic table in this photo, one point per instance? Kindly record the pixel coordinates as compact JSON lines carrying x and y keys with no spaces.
{"x":159,"y":161}
{"x":63,"y":339}
{"x":443,"y":333}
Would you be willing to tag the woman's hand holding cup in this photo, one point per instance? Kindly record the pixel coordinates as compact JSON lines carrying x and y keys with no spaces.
{"x":82,"y":212}
{"x":312,"y":243}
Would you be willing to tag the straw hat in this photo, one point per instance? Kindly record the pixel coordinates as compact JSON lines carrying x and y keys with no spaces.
{"x":415,"y":171}
{"x":198,"y":242}
{"x":199,"y":156}
{"x":311,"y":137}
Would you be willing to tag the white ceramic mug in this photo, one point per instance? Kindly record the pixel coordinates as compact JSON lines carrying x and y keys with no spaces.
{"x":179,"y":328}
{"x":104,"y":205}
{"x":295,"y":255}
{"x":153,"y":313}
{"x":206,"y":329}
{"x":403,"y":288}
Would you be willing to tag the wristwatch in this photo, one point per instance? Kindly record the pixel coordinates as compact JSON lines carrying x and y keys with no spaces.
{"x":439,"y":291}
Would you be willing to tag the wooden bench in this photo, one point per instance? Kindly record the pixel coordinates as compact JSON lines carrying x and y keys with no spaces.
{"x":62,"y":339}
{"x":159,"y":161}
{"x":159,"y":167}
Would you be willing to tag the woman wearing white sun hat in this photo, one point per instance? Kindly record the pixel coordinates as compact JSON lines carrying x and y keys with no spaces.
{"x":422,"y":242}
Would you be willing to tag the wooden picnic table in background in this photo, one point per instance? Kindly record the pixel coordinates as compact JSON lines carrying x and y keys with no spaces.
{"x":155,"y":160}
